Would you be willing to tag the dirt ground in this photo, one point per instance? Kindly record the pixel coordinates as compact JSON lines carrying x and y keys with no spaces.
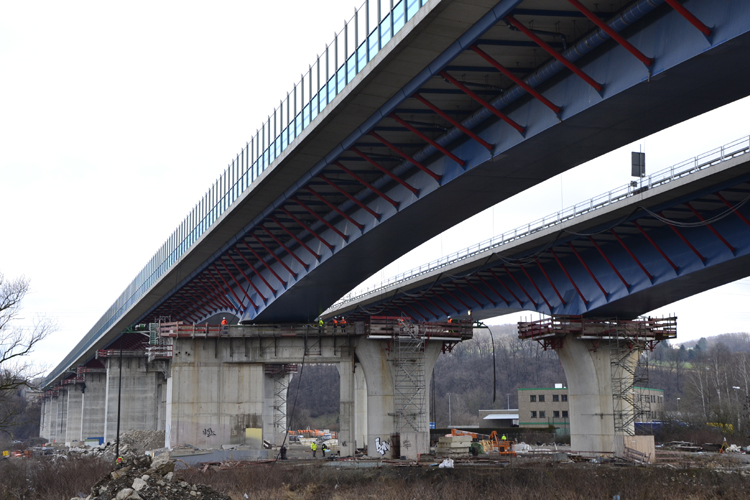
{"x":680,"y":475}
{"x":687,"y":476}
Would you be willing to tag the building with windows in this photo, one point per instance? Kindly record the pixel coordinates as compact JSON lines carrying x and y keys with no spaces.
{"x":540,"y":407}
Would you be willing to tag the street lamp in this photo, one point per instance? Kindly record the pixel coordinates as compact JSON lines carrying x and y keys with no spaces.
{"x":738,"y":411}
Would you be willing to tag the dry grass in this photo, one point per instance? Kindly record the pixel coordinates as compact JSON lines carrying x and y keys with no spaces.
{"x":48,"y":478}
{"x":560,"y":482}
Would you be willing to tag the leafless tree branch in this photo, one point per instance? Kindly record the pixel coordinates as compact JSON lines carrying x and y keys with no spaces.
{"x":16,"y":344}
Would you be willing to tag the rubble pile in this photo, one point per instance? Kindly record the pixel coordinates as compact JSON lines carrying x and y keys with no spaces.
{"x":143,"y":479}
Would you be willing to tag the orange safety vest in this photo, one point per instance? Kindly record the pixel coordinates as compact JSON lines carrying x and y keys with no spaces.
{"x":343,"y":321}
{"x":224,"y":322}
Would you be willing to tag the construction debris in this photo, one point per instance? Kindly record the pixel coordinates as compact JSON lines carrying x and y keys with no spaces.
{"x":143,"y":479}
{"x":452,"y":446}
{"x":142,"y":441}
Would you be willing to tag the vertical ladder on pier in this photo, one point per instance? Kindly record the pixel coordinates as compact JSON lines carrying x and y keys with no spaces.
{"x":409,"y":377}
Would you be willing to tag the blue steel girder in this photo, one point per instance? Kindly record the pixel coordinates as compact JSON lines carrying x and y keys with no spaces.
{"x":330,"y":240}
{"x":623,"y":267}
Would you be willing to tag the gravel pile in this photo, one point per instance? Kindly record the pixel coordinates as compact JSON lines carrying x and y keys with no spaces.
{"x":143,"y":479}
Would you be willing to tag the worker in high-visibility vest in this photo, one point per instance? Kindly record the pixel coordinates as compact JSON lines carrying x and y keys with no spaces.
{"x":343,"y":324}
{"x":335,"y":324}
{"x":224,"y":325}
{"x":314,"y":447}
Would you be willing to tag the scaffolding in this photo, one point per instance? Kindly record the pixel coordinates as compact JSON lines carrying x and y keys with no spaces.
{"x":626,"y":344}
{"x":408,"y":358}
{"x":282,"y":378}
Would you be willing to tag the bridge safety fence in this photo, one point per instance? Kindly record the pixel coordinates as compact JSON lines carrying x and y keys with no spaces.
{"x":690,"y":166}
{"x":363,"y":36}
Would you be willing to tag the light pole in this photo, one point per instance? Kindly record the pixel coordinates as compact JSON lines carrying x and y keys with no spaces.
{"x":739,"y":411}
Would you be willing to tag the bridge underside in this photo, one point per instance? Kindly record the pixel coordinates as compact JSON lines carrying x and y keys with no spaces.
{"x":642,"y":256}
{"x":469,"y":104}
{"x":328,"y":234}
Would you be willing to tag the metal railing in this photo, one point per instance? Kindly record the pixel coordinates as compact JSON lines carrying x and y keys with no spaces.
{"x":373,"y":25}
{"x":664,"y":176}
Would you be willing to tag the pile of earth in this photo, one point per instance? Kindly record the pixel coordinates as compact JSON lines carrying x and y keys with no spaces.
{"x":142,"y":478}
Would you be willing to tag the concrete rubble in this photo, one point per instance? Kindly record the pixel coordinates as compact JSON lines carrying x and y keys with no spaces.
{"x":132,"y":444}
{"x":142,"y":478}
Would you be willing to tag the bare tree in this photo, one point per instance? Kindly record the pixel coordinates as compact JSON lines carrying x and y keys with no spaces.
{"x":16,"y":344}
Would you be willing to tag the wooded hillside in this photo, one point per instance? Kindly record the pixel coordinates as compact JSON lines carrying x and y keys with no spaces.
{"x":711,"y":378}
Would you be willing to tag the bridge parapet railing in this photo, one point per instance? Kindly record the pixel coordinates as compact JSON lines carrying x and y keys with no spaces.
{"x":677,"y":171}
{"x":657,"y":329}
{"x":84,"y":369}
{"x":127,"y":353}
{"x":74,"y":380}
{"x":381,"y":327}
{"x":274,"y":369}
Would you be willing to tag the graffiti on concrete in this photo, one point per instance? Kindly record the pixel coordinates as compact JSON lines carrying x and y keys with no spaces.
{"x":382,"y":446}
{"x":208,"y":432}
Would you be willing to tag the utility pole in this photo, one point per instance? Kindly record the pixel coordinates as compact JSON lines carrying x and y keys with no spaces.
{"x":449,"y":409}
{"x":119,"y":399}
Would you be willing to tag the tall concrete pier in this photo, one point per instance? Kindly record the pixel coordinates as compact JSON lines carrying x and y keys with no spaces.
{"x":600,"y":360}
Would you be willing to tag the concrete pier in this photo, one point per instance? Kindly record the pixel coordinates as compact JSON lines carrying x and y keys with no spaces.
{"x":212,"y":403}
{"x":74,"y":414}
{"x":360,"y":406}
{"x":138,"y":404}
{"x":347,"y":401}
{"x":93,"y":402}
{"x":377,"y":363}
{"x":62,"y":415}
{"x":588,"y":371}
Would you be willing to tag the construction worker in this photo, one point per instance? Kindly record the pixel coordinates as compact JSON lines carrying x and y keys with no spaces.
{"x":323,"y":448}
{"x":335,"y":324}
{"x":343,"y":324}
{"x":314,"y":447}
{"x":224,"y":324}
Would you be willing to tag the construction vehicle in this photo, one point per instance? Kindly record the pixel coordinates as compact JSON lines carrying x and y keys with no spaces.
{"x":491,"y":442}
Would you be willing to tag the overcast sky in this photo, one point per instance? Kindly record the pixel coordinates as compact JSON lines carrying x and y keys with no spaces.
{"x":116,"y":118}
